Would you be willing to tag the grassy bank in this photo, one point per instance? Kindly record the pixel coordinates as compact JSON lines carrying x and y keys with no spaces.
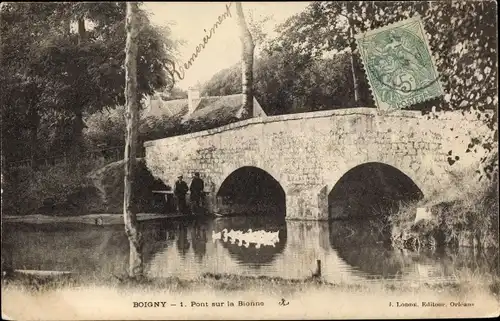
{"x":468,"y":219}
{"x":68,"y":297}
{"x":464,"y":283}
{"x":78,"y":188}
{"x":92,"y":219}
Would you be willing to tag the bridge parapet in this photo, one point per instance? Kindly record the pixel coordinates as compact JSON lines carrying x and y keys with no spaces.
{"x":308,"y":153}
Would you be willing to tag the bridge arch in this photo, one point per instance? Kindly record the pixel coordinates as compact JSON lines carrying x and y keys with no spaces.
{"x":371,"y":189}
{"x":250,"y":190}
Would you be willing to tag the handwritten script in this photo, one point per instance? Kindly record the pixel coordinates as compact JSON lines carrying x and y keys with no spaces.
{"x":180,"y":70}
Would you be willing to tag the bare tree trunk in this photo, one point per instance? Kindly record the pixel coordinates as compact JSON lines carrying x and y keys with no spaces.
{"x":248,"y":47}
{"x":131,"y":117}
{"x":66,"y":25}
{"x":78,"y":123}
{"x":77,"y":139}
{"x":82,"y":33}
{"x":352,"y":45}
{"x":35,"y":124}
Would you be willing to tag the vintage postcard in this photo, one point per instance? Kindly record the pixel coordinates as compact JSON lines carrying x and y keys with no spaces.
{"x":249,"y":160}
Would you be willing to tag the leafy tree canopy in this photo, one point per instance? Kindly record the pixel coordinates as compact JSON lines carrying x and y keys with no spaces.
{"x":462,"y":36}
{"x":293,"y":68}
{"x":62,"y":60}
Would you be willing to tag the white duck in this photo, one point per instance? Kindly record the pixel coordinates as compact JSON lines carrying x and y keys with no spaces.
{"x":269,"y":243}
{"x":260,"y":238}
{"x":219,"y":235}
{"x":216,"y":236}
{"x":251,"y":237}
{"x":238,"y":235}
{"x":230,"y":234}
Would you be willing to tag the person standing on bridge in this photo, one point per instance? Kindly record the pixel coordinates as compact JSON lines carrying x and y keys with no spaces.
{"x":180,"y":192}
{"x":196,"y":189}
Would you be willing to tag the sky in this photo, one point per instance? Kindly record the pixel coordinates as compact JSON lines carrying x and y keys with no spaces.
{"x":187,"y":20}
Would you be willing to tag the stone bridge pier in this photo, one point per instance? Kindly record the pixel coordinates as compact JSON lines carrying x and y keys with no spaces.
{"x":323,"y":165}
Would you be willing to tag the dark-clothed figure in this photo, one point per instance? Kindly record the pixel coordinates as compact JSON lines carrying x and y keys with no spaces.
{"x":196,"y":188}
{"x":180,"y":192}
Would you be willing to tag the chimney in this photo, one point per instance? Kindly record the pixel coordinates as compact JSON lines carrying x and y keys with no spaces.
{"x":152,"y":104}
{"x":193,"y":99}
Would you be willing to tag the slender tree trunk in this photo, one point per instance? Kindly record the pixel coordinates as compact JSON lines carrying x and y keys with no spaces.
{"x":67,"y":26}
{"x":77,"y":140}
{"x":248,"y":47}
{"x":3,"y":169}
{"x":35,"y":124}
{"x":82,"y":33}
{"x":352,"y":45}
{"x":131,"y":117}
{"x":78,"y":123}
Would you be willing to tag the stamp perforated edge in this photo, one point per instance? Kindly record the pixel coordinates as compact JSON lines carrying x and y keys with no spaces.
{"x":400,"y":22}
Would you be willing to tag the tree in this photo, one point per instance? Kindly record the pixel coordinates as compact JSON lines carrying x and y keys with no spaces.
{"x":132,"y":118}
{"x":67,"y":73}
{"x":23,"y":92}
{"x":461,"y":34}
{"x":246,"y":60}
{"x":289,"y":83}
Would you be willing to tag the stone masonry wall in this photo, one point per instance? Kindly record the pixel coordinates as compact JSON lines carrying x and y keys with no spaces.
{"x":308,"y":153}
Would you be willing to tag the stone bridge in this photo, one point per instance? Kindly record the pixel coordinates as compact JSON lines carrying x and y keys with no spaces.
{"x":311,"y":154}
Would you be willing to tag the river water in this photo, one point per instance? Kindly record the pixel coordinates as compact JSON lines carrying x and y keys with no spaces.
{"x":349,"y":251}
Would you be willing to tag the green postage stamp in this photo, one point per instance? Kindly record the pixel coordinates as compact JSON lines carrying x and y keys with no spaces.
{"x":399,"y":65}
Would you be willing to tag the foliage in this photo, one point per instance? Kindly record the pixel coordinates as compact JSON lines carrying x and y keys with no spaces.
{"x":52,"y":75}
{"x":470,"y":220}
{"x":72,"y":189}
{"x":109,"y":181}
{"x":461,"y":34}
{"x":106,"y":129}
{"x":174,"y":93}
{"x":292,"y":73}
{"x":284,"y":85}
{"x":57,"y":189}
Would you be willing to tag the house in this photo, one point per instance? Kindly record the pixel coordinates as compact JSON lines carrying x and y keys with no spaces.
{"x":200,"y":113}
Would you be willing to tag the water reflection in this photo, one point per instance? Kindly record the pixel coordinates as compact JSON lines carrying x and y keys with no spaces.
{"x":350,"y":251}
{"x":199,"y":239}
{"x":252,"y":256}
{"x":363,"y":246}
{"x":183,"y":243}
{"x":68,"y":247}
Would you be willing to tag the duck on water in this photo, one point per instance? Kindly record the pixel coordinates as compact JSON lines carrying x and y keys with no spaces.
{"x":261,"y":237}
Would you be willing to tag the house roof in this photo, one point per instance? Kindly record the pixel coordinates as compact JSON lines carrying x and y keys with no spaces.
{"x":159,"y":108}
{"x":210,"y":111}
{"x":165,"y":118}
{"x":217,"y":107}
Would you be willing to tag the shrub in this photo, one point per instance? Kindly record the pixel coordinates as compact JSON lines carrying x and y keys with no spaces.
{"x":107,"y":128}
{"x":109,"y":181}
{"x":55,"y":189}
{"x":471,"y":220}
{"x":78,"y":188}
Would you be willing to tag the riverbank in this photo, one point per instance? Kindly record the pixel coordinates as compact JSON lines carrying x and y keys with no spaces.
{"x":93,"y":219}
{"x":210,"y":296}
{"x":446,"y":220}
